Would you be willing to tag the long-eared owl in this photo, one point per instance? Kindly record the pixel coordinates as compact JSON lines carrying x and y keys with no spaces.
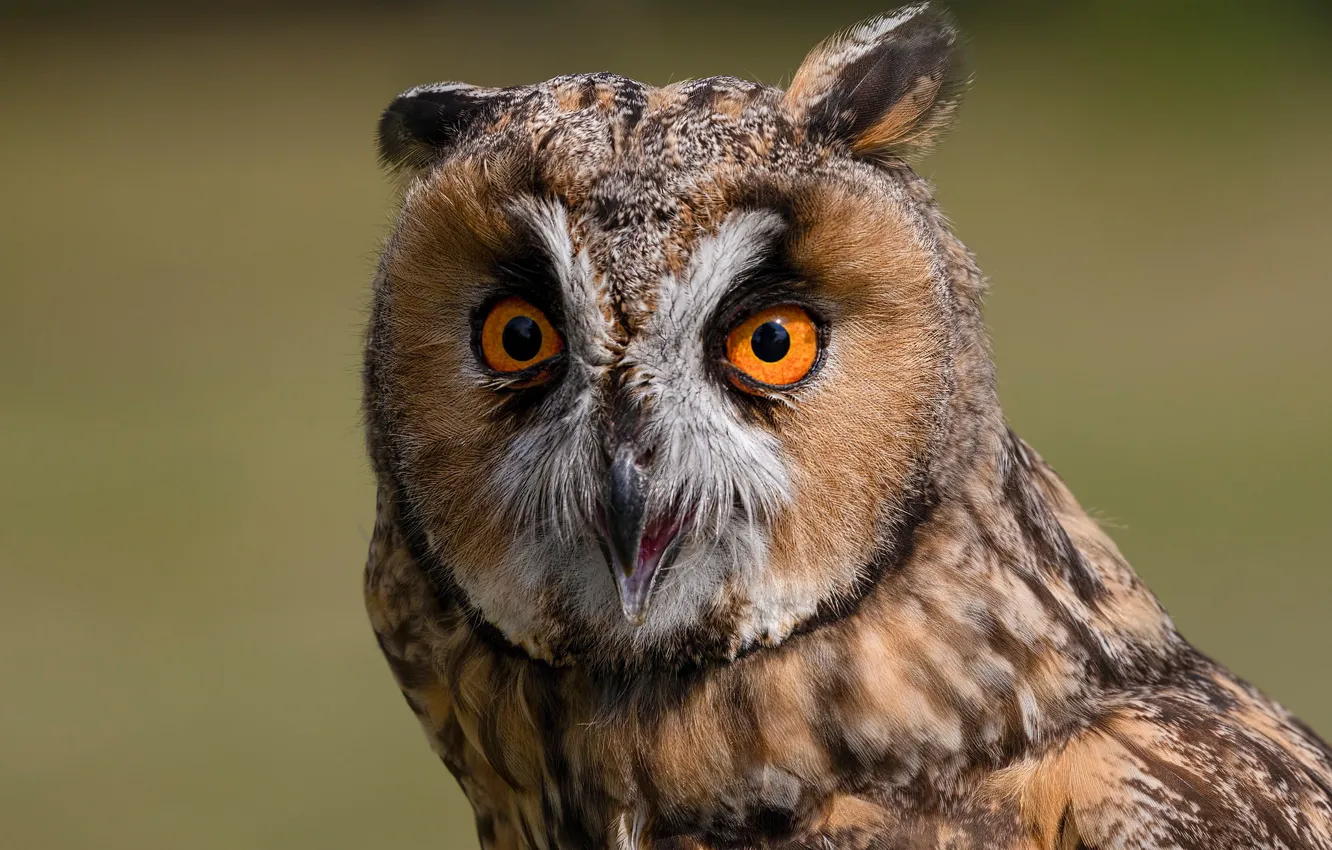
{"x":699,"y":523}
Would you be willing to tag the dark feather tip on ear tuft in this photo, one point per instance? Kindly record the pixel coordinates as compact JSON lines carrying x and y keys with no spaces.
{"x":422,"y":123}
{"x":885,"y":88}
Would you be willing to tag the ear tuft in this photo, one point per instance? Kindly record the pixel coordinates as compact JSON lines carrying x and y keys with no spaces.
{"x":422,"y":123}
{"x":885,"y":88}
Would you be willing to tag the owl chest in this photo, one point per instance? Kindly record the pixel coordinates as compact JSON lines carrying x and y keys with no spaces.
{"x":524,"y":821}
{"x":532,"y":795}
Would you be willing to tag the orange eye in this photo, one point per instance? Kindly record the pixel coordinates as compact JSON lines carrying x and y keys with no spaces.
{"x":776,"y":346}
{"x":517,"y":335}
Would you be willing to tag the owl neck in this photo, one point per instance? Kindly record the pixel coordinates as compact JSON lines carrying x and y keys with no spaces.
{"x":1009,"y":542}
{"x":1038,"y":567}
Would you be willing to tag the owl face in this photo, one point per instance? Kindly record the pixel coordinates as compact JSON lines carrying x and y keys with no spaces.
{"x":654,"y":374}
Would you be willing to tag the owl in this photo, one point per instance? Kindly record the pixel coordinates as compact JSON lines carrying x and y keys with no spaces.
{"x":700,"y":525}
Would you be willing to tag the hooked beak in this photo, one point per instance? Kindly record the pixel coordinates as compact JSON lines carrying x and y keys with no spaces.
{"x":635,"y":544}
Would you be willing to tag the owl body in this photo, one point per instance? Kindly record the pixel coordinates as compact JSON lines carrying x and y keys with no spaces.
{"x":699,"y":523}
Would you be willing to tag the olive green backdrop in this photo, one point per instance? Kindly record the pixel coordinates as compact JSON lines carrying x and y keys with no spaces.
{"x":190,"y":213}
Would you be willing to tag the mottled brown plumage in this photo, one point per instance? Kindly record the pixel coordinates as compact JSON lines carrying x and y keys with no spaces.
{"x":880,"y":620}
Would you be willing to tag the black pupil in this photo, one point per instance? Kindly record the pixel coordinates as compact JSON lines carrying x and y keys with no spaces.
{"x":770,"y":342}
{"x":522,"y":338}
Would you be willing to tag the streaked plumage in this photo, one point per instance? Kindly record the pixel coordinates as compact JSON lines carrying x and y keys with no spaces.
{"x":861,"y":613}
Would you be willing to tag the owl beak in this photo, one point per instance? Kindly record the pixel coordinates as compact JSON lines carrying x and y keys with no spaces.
{"x":634,"y":544}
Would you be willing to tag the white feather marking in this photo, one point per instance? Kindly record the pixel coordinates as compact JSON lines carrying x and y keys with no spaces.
{"x":550,"y":475}
{"x":1031,"y":713}
{"x":587,"y":331}
{"x":876,"y":28}
{"x":712,"y":459}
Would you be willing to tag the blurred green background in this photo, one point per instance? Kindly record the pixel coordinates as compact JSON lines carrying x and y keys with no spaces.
{"x":191,"y":210}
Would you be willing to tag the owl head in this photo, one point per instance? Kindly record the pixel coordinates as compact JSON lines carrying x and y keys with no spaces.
{"x":662,"y":375}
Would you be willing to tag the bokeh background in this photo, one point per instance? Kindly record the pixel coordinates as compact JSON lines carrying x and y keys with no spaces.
{"x":190,"y":215}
